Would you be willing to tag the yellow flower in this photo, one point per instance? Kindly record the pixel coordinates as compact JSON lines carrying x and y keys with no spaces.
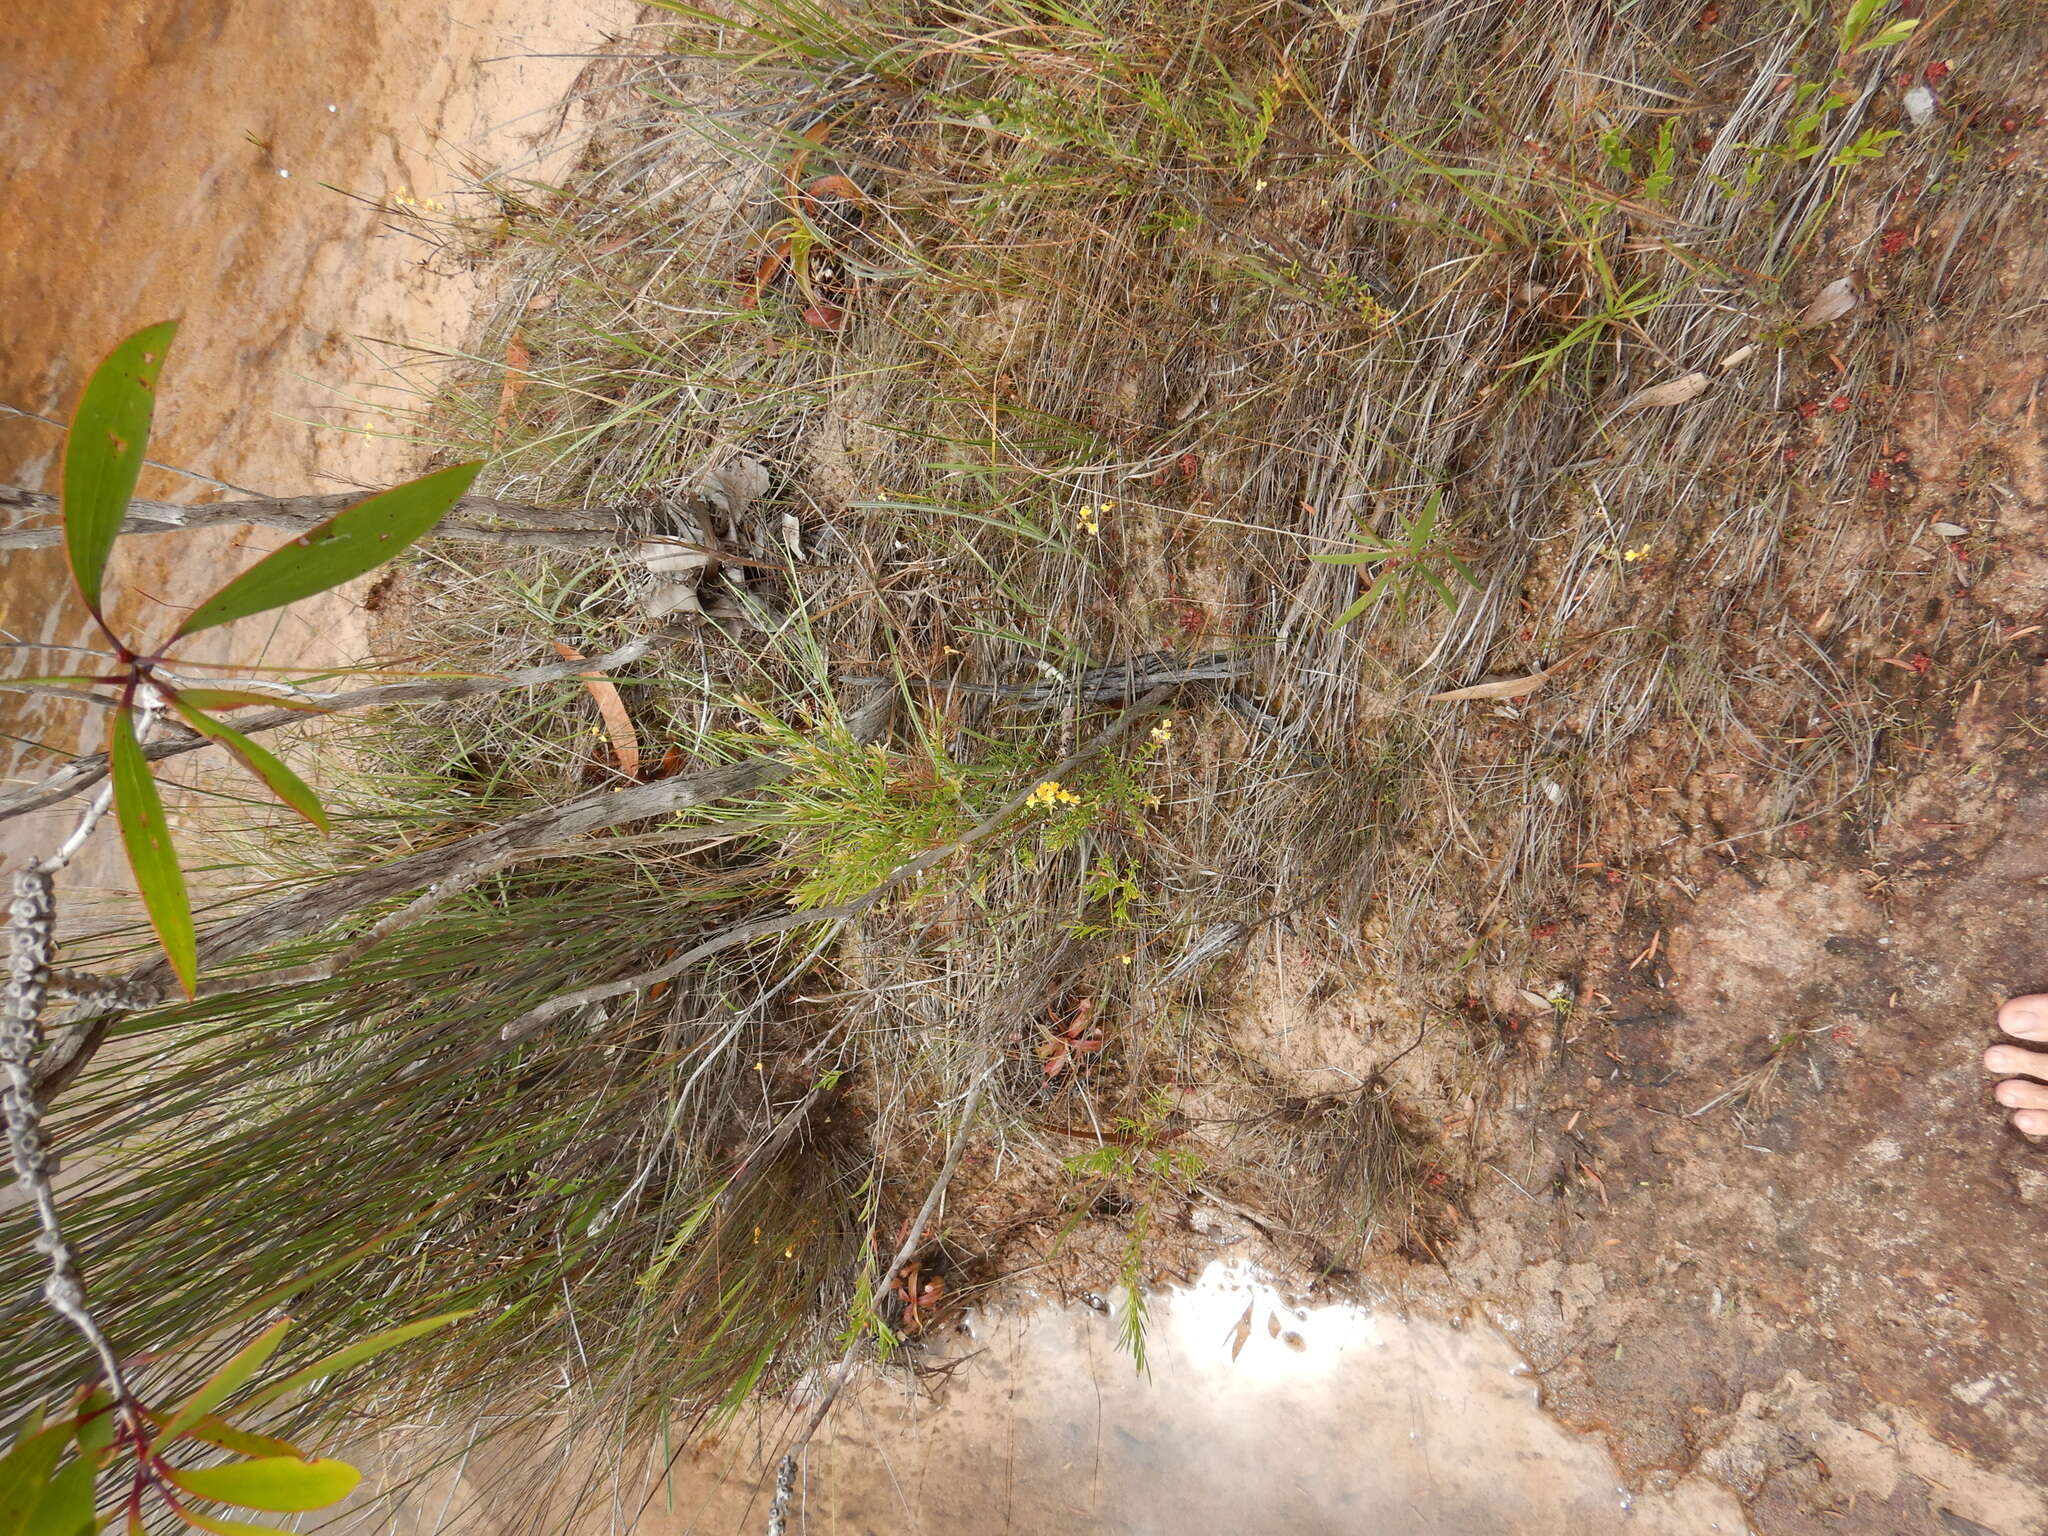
{"x":1162,"y":733}
{"x":1640,"y":553}
{"x":1051,"y":793}
{"x":1089,"y":520}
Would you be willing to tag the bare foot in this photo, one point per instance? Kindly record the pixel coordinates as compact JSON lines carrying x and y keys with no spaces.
{"x":2024,"y":1018}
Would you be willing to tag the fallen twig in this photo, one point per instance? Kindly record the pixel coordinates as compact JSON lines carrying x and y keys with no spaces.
{"x":84,"y":772}
{"x":472,"y":520}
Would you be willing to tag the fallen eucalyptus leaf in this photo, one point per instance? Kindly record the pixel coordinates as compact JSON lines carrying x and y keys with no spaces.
{"x":664,"y":602}
{"x":1951,"y":530}
{"x":1671,"y":392}
{"x":1506,"y":688}
{"x":663,"y":558}
{"x":1831,"y":303}
{"x":734,"y":487}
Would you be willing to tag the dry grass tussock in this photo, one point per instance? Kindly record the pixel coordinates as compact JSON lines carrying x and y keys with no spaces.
{"x":1149,"y":306}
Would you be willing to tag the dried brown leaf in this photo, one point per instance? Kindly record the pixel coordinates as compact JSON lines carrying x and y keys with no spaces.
{"x":1831,"y":303}
{"x":1671,"y":392}
{"x":1505,"y":688}
{"x":518,"y":360}
{"x":1241,"y":1332}
{"x":611,"y":709}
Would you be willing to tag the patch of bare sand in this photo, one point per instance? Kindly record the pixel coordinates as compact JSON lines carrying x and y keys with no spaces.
{"x":245,"y":166}
{"x":1257,"y":1416}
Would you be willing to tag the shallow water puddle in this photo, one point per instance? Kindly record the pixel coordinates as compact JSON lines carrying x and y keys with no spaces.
{"x":1257,"y":1416}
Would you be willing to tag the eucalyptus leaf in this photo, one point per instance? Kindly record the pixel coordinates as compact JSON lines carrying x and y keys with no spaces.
{"x":25,"y":1474}
{"x":223,"y":1383}
{"x":354,"y":1355}
{"x":353,"y":541}
{"x":278,"y":1484}
{"x":146,"y":834}
{"x":104,"y":450}
{"x":280,"y":780}
{"x":65,"y":1508}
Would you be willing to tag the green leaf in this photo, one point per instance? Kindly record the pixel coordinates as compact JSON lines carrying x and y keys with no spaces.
{"x":66,"y":1505}
{"x":215,"y":1430}
{"x":223,"y":1383}
{"x":25,"y":1474}
{"x":357,"y":539}
{"x":95,"y":1421}
{"x":146,"y":834}
{"x":58,"y":680}
{"x":242,"y":698}
{"x":281,"y":781}
{"x":354,"y":1355}
{"x":1892,"y":35}
{"x":104,"y":449}
{"x":280,"y":1484}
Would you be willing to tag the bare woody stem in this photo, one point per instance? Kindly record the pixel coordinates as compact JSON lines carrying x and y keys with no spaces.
{"x":31,"y":928}
{"x":35,"y":523}
{"x":84,"y":772}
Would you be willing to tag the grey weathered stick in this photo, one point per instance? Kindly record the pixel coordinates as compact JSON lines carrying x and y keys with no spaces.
{"x":34,"y":521}
{"x":31,"y":935}
{"x":84,"y":772}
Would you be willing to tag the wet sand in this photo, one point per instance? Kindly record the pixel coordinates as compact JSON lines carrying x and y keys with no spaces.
{"x":245,"y":165}
{"x":1257,"y":1418}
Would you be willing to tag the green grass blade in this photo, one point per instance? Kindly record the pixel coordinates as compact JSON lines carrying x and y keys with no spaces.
{"x":355,"y":540}
{"x":103,"y":452}
{"x":354,"y":1355}
{"x":146,"y":834}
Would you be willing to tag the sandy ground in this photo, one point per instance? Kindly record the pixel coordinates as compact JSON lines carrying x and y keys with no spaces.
{"x":260,"y":171}
{"x":1254,"y":1415}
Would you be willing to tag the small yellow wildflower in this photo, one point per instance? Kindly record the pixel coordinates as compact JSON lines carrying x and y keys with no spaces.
{"x":1641,"y":552}
{"x":1162,"y":733}
{"x":1089,"y":519}
{"x":1052,"y":793}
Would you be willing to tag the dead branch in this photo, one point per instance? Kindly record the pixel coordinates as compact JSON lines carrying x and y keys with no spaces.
{"x":84,"y":772}
{"x":473,"y":519}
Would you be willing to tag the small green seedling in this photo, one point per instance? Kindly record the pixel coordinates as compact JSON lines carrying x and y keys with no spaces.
{"x":1414,"y":556}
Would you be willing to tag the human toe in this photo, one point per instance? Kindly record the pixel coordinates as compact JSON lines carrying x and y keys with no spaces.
{"x":2026,"y":1018}
{"x":2016,"y":1061}
{"x":2034,"y":1122}
{"x":2018,"y":1093}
